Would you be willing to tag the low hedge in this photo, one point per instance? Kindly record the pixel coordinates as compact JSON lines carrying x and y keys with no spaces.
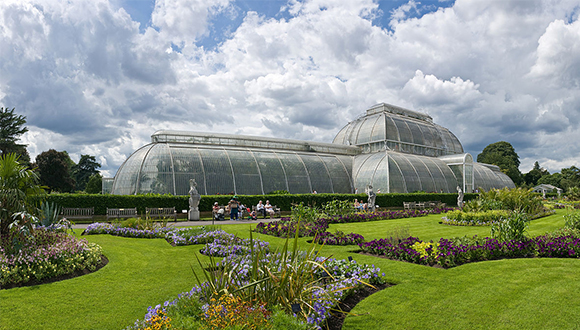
{"x":284,"y":202}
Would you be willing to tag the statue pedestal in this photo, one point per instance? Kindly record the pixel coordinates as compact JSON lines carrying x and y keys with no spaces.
{"x":193,"y":215}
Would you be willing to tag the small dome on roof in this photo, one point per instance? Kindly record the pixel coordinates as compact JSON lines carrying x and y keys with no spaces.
{"x":388,"y":127}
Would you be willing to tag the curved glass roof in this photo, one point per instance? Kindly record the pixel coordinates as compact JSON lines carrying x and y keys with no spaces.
{"x":168,"y":167}
{"x":395,"y":172}
{"x":387,"y":127}
{"x":394,"y":149}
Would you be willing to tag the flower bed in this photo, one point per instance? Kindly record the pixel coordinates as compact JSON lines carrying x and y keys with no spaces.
{"x":107,"y":228}
{"x":338,"y":238}
{"x":346,"y":276}
{"x":453,"y":252}
{"x":48,"y":254}
{"x":287,"y":227}
{"x":484,"y":218}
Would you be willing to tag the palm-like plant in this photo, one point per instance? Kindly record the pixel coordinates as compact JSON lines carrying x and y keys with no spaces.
{"x":17,"y":185}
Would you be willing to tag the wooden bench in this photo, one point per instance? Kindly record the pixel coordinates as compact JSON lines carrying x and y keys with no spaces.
{"x":161,"y":212}
{"x":423,"y":205}
{"x":121,"y":213}
{"x":78,"y":213}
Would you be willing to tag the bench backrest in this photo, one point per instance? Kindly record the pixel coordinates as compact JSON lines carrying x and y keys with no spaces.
{"x":122,"y":213}
{"x":159,"y":212}
{"x":75,"y":212}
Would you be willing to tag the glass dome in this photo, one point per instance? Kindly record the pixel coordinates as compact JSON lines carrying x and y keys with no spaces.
{"x":387,"y":127}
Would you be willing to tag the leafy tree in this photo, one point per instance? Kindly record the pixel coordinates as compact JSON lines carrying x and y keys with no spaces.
{"x":570,"y":177}
{"x":53,"y":168}
{"x":11,"y":128}
{"x":82,"y":171}
{"x":503,"y":155}
{"x":531,"y":178}
{"x":552,"y":179}
{"x":17,"y":185}
{"x":95,"y":184}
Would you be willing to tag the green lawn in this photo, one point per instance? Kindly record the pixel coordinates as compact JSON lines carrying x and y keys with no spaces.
{"x":504,"y":294}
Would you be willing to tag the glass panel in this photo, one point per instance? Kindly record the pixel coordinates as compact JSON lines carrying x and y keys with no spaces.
{"x":378,"y":133}
{"x":126,"y":178}
{"x":364,"y":133}
{"x":339,"y":176}
{"x":218,"y":172}
{"x":352,"y":134}
{"x":296,"y":174}
{"x":412,"y":180}
{"x":441,"y":184}
{"x":273,"y":177}
{"x":187,"y":165}
{"x":156,"y":173}
{"x":392,"y":132}
{"x":396,"y":180}
{"x":427,"y":183}
{"x":416,"y":132}
{"x":404,"y":131}
{"x":341,"y":136}
{"x":362,"y":175}
{"x":469,"y":177}
{"x":428,"y":138}
{"x":319,"y":177}
{"x":381,"y":176}
{"x":245,"y":172}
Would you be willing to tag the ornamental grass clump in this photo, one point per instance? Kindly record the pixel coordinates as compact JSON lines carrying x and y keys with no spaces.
{"x":513,"y":227}
{"x":298,"y":282}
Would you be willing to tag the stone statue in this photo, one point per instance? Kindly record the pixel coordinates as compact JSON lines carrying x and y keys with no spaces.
{"x":194,"y":199}
{"x":459,"y":197}
{"x":371,"y":200}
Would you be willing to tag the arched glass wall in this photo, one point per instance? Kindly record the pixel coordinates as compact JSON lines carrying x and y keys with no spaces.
{"x":167,"y":168}
{"x":396,"y":172}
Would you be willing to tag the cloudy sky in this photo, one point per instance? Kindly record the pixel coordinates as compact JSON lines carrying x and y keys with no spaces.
{"x":99,"y":77}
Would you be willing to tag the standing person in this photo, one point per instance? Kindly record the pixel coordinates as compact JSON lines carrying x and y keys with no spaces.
{"x":261,"y":209}
{"x":234,"y":205}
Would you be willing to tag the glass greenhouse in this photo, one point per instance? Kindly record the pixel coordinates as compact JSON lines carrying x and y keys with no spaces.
{"x":391,"y":148}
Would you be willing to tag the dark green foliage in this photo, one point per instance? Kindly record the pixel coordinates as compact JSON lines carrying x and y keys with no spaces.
{"x":101,"y":202}
{"x":54,"y":172}
{"x":11,"y":128}
{"x":82,"y":171}
{"x":531,"y":178}
{"x":552,"y":179}
{"x":503,"y":155}
{"x":278,"y":192}
{"x":95,"y":184}
{"x":19,"y":194}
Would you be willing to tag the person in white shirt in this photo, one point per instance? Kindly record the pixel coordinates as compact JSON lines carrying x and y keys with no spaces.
{"x":261,"y":209}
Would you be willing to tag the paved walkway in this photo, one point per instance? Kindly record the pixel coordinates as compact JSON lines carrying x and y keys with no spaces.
{"x":200,"y":223}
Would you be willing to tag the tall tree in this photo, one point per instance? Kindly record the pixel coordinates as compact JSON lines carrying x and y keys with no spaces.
{"x":11,"y":128}
{"x":53,"y":168}
{"x":531,"y":178}
{"x":82,"y":171}
{"x":95,"y":184}
{"x":570,"y":177}
{"x":503,"y":155}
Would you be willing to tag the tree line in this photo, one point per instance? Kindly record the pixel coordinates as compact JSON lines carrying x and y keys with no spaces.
{"x":504,"y":155}
{"x":55,"y":169}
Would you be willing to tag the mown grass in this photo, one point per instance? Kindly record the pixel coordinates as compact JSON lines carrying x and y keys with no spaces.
{"x":504,"y":294}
